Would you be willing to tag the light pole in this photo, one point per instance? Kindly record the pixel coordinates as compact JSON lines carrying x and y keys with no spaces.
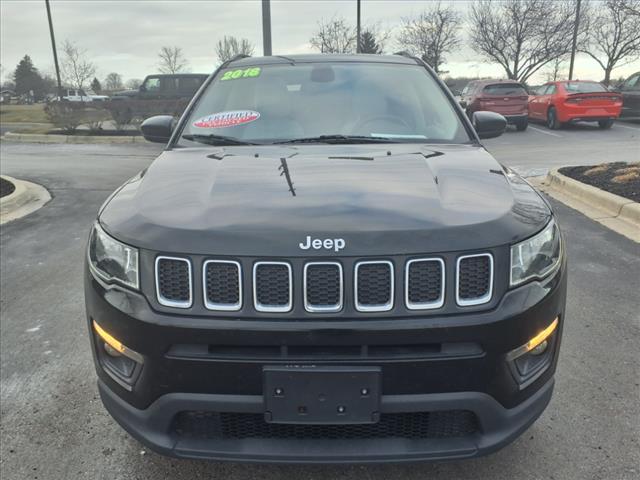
{"x":358,"y":48}
{"x":576,"y":25}
{"x":55,"y":53}
{"x":266,"y":27}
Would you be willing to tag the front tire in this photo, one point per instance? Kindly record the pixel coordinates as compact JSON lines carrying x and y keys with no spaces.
{"x":552,"y":119}
{"x":605,"y":124}
{"x":522,"y":126}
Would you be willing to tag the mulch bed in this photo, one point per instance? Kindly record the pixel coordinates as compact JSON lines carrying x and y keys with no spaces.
{"x":618,"y":178}
{"x":6,"y":187}
{"x":98,"y":133}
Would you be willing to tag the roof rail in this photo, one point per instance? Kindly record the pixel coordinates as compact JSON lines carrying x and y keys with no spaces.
{"x":404,"y":53}
{"x":234,"y":58}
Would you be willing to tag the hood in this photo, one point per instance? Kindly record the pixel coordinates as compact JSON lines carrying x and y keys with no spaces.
{"x":379,"y":199}
{"x":126,"y":93}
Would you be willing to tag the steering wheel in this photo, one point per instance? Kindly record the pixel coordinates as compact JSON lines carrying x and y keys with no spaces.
{"x":389,"y":118}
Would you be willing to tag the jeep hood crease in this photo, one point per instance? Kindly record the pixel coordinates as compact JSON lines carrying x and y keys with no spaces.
{"x":382,"y":199}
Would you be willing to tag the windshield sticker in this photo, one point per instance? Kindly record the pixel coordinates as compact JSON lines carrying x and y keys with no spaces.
{"x":242,"y":73}
{"x":227,"y":119}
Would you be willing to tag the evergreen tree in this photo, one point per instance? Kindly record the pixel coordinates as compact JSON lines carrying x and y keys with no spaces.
{"x":27,"y":78}
{"x":368,"y":43}
{"x":95,"y":85}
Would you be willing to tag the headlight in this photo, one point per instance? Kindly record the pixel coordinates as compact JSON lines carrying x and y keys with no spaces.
{"x":112,"y":260}
{"x":537,"y":256}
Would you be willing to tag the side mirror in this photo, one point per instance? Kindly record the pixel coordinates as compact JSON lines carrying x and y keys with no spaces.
{"x":489,"y":124}
{"x":158,"y":129}
{"x":143,"y":88}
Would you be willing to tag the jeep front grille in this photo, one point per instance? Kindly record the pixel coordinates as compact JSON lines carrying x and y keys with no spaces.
{"x":424,"y":280}
{"x":474,"y":284}
{"x":222,"y":285}
{"x":374,"y":286}
{"x":272,"y":286}
{"x":173,"y":282}
{"x":323,"y":287}
{"x":316,"y":287}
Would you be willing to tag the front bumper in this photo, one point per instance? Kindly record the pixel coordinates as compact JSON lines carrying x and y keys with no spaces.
{"x":454,"y":377}
{"x":499,"y":427}
{"x":517,"y":119}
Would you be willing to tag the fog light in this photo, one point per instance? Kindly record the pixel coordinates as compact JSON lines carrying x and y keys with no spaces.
{"x":540,"y":349}
{"x":116,"y":346}
{"x":535,"y":342}
{"x":112,"y":352}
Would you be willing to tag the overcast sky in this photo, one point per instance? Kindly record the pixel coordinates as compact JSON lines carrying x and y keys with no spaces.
{"x":124,"y":36}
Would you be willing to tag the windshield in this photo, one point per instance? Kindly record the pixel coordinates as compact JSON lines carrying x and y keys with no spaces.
{"x":505,"y":89}
{"x":273,"y":103}
{"x":584,"y":87}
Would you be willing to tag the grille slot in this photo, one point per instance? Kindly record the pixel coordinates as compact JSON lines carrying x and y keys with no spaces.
{"x":416,"y":425}
{"x":173,"y":282}
{"x":374,"y":286}
{"x":323,"y":287}
{"x":424,"y":283}
{"x":474,"y":282}
{"x":222,"y":285}
{"x":272,"y":286}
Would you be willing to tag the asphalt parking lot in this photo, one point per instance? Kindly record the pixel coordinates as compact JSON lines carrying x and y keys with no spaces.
{"x":53,"y":425}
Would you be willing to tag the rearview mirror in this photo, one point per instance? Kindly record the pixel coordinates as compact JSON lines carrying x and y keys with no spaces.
{"x":158,"y":129}
{"x":489,"y":124}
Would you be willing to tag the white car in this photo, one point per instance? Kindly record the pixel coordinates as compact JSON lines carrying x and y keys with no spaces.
{"x":80,"y":95}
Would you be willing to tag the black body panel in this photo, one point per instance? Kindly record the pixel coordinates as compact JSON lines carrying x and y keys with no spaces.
{"x":382,"y":200}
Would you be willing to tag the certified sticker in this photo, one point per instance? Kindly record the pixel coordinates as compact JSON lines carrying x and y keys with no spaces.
{"x":227,"y":119}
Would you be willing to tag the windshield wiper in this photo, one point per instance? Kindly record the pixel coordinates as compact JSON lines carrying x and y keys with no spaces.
{"x":212,"y":139}
{"x":340,"y":139}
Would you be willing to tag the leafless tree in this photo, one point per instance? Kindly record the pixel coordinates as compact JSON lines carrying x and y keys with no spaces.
{"x":522,"y":35}
{"x":613,"y":38}
{"x":334,"y":36}
{"x":113,"y":81}
{"x":172,"y":60}
{"x":432,"y":34}
{"x":76,"y":68}
{"x":555,"y":67}
{"x":133,"y":83}
{"x":231,"y":46}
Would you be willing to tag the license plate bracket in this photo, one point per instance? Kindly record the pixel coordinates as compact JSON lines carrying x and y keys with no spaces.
{"x":321,"y":394}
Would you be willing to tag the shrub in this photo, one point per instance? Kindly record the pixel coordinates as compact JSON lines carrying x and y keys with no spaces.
{"x":70,"y":115}
{"x":65,"y":115}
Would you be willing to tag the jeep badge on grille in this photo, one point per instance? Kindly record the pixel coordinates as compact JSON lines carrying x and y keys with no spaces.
{"x":336,"y":244}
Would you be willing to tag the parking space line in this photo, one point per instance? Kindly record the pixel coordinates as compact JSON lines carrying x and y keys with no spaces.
{"x":545,"y":132}
{"x":627,"y":127}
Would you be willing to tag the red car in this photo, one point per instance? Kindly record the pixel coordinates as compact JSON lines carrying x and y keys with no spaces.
{"x":565,"y":102}
{"x":506,"y":97}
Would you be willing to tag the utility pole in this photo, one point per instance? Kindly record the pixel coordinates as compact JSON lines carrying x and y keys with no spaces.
{"x":358,"y":28}
{"x":266,"y":27}
{"x":576,"y":25}
{"x":55,"y":53}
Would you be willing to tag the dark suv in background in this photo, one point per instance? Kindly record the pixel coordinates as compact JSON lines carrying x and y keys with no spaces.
{"x":169,"y":86}
{"x":325,"y":265}
{"x":506,"y":97}
{"x":630,"y":90}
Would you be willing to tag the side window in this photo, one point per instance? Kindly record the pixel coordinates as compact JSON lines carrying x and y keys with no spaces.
{"x":152,"y":84}
{"x":550,"y":90}
{"x":632,"y":83}
{"x":189,"y":84}
{"x":169,"y":85}
{"x":465,"y":90}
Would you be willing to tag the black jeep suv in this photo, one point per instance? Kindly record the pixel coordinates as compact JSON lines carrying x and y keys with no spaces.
{"x":325,"y":265}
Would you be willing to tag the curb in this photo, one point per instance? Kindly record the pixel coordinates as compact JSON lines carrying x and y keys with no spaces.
{"x":615,"y":212}
{"x":25,"y":199}
{"x":45,"y":138}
